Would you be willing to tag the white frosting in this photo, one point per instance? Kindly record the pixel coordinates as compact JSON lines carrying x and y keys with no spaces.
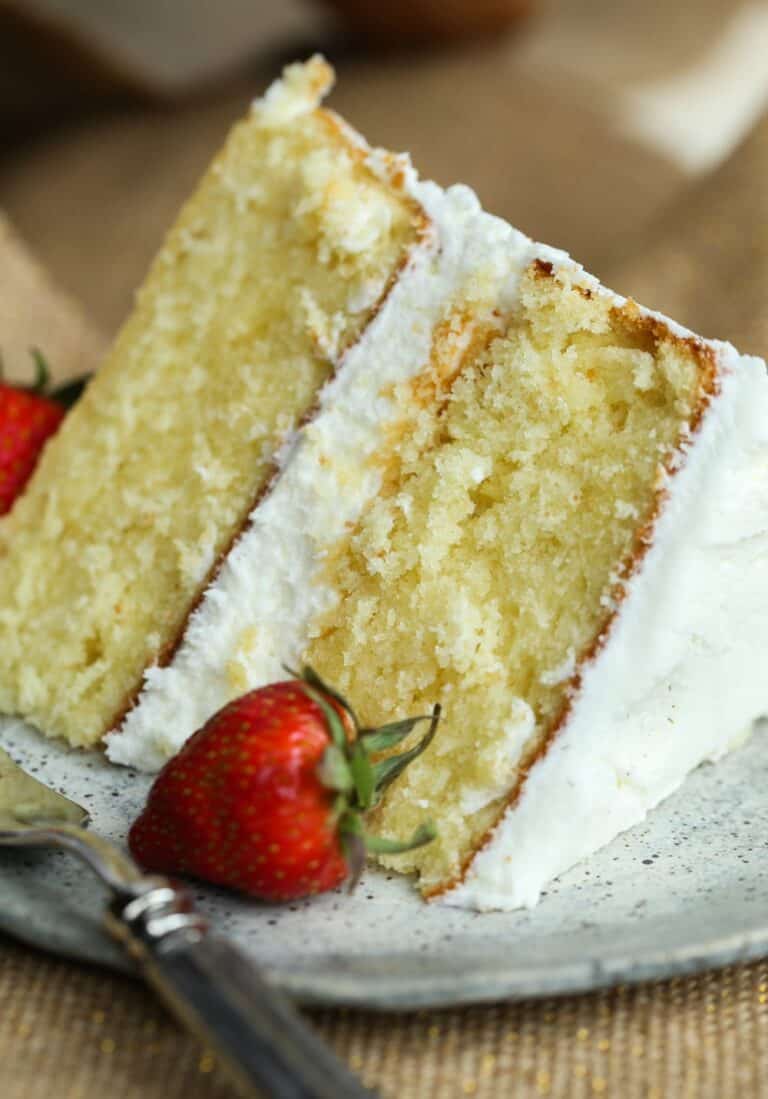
{"x":297,"y":92}
{"x":646,"y":713}
{"x":254,"y":617}
{"x":682,"y":676}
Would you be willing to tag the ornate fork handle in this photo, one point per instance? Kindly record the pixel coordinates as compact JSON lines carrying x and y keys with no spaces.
{"x":207,"y":982}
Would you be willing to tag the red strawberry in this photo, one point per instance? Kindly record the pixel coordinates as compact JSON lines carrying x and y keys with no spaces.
{"x":268,"y":796}
{"x":27,"y":420}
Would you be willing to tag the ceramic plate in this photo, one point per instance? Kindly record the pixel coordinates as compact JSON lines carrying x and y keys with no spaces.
{"x":684,"y":891}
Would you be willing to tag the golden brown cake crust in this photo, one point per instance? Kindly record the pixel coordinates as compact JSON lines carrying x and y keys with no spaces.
{"x":656,"y":331}
{"x":423,"y":227}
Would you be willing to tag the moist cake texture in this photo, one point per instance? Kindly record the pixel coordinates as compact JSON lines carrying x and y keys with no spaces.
{"x":275,"y":265}
{"x":484,"y":569}
{"x":358,"y":422}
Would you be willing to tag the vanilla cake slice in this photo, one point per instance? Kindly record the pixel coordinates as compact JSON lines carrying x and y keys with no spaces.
{"x":357,"y":422}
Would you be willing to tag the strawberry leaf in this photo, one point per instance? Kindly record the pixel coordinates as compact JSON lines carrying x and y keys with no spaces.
{"x":332,"y":719}
{"x":42,"y":371}
{"x":387,"y":736}
{"x":347,"y":769}
{"x":71,"y":392}
{"x":362,"y":774}
{"x":334,"y":770}
{"x":388,"y":770}
{"x":310,"y":676}
{"x":66,"y":395}
{"x":353,"y":845}
{"x":423,"y":835}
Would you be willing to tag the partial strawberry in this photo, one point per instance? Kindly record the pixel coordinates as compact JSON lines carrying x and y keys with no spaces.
{"x":269,"y":796}
{"x":27,"y":420}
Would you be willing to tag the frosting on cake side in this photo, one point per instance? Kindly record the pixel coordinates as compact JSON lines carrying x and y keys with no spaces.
{"x":644,"y":712}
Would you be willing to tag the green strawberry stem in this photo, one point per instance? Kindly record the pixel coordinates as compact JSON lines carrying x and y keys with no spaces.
{"x":67,"y":394}
{"x":423,"y":835}
{"x":70,"y":393}
{"x":42,"y":371}
{"x":334,"y":771}
{"x":358,"y":781}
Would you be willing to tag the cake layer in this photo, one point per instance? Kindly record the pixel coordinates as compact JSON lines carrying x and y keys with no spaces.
{"x":485,"y":571}
{"x":257,"y":615}
{"x":274,"y":267}
{"x":679,"y":678}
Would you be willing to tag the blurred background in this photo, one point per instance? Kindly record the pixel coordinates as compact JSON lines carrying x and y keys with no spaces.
{"x":632,"y":133}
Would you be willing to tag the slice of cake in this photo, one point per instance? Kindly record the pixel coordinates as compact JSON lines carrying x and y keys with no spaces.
{"x":276,"y":265}
{"x":357,"y":422}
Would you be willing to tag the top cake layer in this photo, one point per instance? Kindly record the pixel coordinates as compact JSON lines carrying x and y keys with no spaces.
{"x":275,"y":266}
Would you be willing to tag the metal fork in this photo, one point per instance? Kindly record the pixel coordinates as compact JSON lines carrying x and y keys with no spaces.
{"x":211,"y":986}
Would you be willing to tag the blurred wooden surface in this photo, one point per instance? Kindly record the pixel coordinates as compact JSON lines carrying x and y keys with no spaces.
{"x":535,"y":120}
{"x":118,"y":181}
{"x":56,"y":52}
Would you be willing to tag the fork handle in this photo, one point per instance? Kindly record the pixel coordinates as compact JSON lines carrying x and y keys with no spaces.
{"x":217,"y":992}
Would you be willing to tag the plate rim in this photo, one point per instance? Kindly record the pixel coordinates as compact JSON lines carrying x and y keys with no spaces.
{"x":407,"y":979}
{"x":445,"y":988}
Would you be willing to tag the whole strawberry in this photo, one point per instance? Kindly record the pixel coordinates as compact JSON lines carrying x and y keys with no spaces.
{"x":27,"y":420}
{"x":268,"y":797}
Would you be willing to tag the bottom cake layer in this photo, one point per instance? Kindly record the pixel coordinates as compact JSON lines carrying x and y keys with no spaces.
{"x":536,"y":520}
{"x":680,"y":678}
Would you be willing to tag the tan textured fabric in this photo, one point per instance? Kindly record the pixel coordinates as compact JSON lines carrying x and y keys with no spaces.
{"x":70,"y":1032}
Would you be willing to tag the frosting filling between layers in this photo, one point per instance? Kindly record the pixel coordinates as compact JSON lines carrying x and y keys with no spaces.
{"x":254,"y":617}
{"x":646,"y":712}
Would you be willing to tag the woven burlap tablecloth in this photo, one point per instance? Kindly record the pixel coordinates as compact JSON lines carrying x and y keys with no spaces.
{"x":697,"y":249}
{"x":70,"y":1032}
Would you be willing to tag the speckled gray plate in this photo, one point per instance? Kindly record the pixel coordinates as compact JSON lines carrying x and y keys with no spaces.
{"x":684,"y":891}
